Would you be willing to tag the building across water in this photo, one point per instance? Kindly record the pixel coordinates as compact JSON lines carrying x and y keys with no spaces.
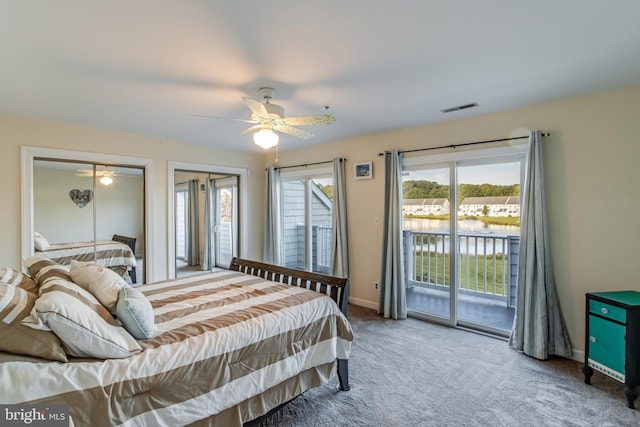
{"x":496,"y":206}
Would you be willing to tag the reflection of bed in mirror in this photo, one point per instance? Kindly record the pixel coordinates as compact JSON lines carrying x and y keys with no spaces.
{"x":116,"y":254}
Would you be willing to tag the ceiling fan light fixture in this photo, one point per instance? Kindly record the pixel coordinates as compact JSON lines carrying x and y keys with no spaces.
{"x":265,"y":138}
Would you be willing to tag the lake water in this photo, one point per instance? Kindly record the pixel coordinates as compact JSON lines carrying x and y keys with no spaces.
{"x":464,"y":226}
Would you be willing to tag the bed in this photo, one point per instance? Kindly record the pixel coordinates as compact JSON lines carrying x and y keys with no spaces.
{"x":228,"y":347}
{"x":117,"y":254}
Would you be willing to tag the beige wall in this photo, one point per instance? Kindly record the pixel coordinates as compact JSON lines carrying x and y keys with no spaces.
{"x":17,"y":132}
{"x":592,"y":185}
{"x":590,"y":158}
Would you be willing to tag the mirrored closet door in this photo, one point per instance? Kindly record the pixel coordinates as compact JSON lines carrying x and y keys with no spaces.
{"x":90,"y":212}
{"x":206,"y":221}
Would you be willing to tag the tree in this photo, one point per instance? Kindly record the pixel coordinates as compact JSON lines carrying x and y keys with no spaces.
{"x":326,"y":189}
{"x":422,"y":189}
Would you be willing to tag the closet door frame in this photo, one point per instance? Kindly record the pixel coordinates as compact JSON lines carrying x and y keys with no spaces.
{"x":27,"y":156}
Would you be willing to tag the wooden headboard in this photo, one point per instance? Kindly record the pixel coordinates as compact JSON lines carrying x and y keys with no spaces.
{"x":336,"y":287}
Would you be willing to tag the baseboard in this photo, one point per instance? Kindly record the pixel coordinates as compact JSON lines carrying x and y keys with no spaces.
{"x":578,"y":356}
{"x":363,"y":303}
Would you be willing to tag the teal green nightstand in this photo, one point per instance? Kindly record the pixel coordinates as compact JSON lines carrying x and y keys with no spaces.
{"x":612,"y":339}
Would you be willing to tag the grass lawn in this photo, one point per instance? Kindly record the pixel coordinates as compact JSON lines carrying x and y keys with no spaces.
{"x":434,"y":268}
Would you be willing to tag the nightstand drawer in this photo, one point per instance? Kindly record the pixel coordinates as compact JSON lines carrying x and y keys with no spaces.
{"x":608,"y":311}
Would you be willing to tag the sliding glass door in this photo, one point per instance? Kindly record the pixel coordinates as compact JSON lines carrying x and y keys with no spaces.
{"x":488,"y":242}
{"x":427,"y":224}
{"x":461,"y":239}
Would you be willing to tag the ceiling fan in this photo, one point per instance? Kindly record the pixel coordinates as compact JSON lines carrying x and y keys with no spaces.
{"x":268,"y":118}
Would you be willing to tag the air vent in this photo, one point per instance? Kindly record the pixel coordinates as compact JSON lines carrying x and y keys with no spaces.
{"x":459,"y":107}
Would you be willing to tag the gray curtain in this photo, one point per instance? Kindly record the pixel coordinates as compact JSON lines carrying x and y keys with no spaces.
{"x":538,"y":327}
{"x":339,"y":234}
{"x":273,"y":247}
{"x":209,"y":203}
{"x":193,"y":247}
{"x":393,"y":300}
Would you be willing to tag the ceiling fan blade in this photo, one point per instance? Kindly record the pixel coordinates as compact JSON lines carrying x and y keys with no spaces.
{"x":254,"y":128}
{"x":224,"y":118}
{"x":256,"y":107}
{"x":323,"y":119}
{"x":290,"y":130}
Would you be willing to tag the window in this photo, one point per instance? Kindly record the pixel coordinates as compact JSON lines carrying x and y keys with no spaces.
{"x":306,"y":214}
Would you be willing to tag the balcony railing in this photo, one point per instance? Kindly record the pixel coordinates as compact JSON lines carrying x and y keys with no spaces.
{"x":321,"y":249}
{"x":295,"y":248}
{"x":488,"y":264}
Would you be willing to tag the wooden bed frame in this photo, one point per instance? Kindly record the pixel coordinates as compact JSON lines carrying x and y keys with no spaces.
{"x":337,"y":288}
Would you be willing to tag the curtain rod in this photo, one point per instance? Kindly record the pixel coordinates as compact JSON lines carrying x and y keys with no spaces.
{"x":305,"y":164}
{"x":454,"y":146}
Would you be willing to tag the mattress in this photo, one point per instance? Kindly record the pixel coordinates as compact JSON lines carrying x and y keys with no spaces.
{"x":222,"y":338}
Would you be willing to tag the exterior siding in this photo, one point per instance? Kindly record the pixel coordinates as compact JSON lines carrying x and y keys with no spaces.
{"x":294,"y":226}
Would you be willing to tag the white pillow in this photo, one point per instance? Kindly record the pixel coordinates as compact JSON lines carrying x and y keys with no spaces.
{"x":103,"y":283}
{"x":84,"y":326}
{"x":40,"y":242}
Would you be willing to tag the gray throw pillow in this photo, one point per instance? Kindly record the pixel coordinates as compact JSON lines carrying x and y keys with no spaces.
{"x":135,"y":312}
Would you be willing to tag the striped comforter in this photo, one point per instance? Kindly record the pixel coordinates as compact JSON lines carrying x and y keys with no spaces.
{"x":222,"y":338}
{"x":108,"y":253}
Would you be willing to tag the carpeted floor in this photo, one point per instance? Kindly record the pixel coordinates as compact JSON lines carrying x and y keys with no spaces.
{"x":413,"y":373}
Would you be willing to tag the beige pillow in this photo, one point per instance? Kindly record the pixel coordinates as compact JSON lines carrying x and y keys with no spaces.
{"x":15,"y":305}
{"x":16,"y":278}
{"x":84,"y":326}
{"x":103,"y":283}
{"x":43,"y":269}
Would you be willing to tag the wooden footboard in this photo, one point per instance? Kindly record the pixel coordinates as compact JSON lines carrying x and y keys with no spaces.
{"x":336,"y":287}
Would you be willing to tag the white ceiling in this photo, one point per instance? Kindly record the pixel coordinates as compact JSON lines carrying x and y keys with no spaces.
{"x":146,"y":66}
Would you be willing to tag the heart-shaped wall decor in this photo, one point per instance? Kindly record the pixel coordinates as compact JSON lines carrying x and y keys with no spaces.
{"x":81,"y":197}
